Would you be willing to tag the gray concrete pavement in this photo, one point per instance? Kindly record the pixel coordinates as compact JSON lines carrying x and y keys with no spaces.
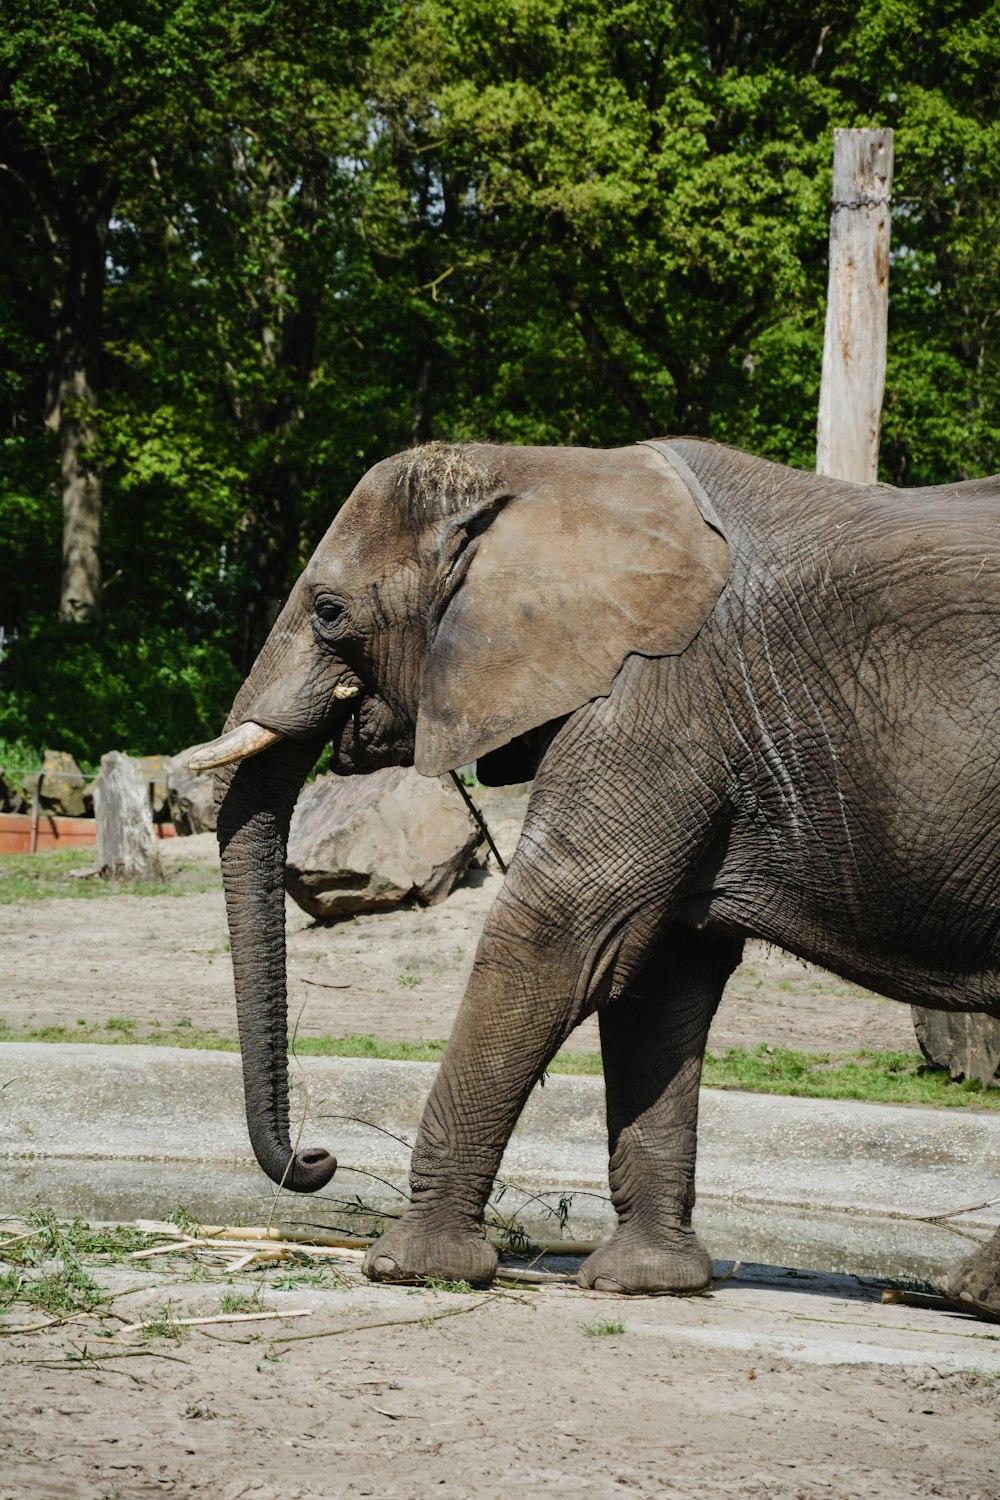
{"x":833,"y":1186}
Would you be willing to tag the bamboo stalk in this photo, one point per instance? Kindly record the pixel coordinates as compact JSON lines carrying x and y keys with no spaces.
{"x":253,"y":1317}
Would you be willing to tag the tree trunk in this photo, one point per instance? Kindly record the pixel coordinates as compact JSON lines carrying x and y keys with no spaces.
{"x":857,"y":309}
{"x":126,"y":839}
{"x":75,"y":395}
{"x":285,"y":314}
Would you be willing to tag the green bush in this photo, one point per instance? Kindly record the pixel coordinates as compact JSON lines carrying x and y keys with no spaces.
{"x":114,"y":684}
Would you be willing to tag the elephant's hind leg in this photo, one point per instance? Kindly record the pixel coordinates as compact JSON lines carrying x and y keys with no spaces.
{"x":653,"y":1040}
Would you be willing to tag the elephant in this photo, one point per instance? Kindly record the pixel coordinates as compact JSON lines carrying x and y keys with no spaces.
{"x":753,"y":702}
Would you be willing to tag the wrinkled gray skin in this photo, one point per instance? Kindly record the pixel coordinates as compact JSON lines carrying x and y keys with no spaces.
{"x":808,"y":756}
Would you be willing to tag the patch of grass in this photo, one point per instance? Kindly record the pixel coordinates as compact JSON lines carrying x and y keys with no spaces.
{"x":607,"y":1329}
{"x":53,"y":874}
{"x":242,"y":1302}
{"x":319,"y":1277}
{"x":435,"y":1284}
{"x":45,"y":1271}
{"x":878,"y":1077}
{"x":410,"y":977}
{"x":164,"y":1325}
{"x":122,"y":1031}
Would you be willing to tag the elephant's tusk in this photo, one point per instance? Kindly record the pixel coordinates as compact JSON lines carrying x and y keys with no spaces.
{"x":346,"y":690}
{"x":246,"y":740}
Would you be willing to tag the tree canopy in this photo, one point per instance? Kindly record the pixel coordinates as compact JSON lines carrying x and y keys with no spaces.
{"x":247,"y":249}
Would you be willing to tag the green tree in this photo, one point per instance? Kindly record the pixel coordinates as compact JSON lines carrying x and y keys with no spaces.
{"x":83,"y":92}
{"x":317,"y":232}
{"x":641,"y":235}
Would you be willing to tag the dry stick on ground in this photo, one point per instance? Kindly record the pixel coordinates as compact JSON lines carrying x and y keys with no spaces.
{"x":427,"y":1319}
{"x":219,"y":1233}
{"x":244,"y":1317}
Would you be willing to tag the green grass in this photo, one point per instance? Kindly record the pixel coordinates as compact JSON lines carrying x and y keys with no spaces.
{"x":52,"y":875}
{"x":878,"y":1077}
{"x":47,"y":1271}
{"x":881,"y":1077}
{"x":610,"y":1328}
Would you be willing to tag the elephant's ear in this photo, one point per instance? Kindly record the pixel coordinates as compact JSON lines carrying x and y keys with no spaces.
{"x":588,"y":556}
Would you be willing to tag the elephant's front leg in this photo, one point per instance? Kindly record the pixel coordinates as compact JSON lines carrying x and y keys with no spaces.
{"x":653,"y":1040}
{"x":518,"y":1008}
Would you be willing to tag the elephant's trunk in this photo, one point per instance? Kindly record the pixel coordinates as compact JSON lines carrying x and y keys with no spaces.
{"x":255,"y":809}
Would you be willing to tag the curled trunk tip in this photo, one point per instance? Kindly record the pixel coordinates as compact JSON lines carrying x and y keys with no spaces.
{"x":303,"y":1171}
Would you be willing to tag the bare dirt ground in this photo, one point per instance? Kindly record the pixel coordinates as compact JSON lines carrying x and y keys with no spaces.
{"x":397,"y":975}
{"x":530,"y":1394}
{"x":517,"y":1393}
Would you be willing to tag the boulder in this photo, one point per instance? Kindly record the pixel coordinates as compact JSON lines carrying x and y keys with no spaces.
{"x":153,"y":770}
{"x":64,"y":790}
{"x":966,"y":1043}
{"x":365,"y":843}
{"x":192,"y":796}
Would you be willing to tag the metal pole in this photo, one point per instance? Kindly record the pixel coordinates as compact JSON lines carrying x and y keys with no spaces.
{"x":35,"y":801}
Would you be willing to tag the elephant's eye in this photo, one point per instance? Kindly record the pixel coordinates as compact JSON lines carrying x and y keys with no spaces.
{"x":329,"y":612}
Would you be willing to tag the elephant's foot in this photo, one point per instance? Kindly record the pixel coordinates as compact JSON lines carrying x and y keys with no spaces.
{"x":974,"y":1284}
{"x":410,"y":1251}
{"x":642,"y":1265}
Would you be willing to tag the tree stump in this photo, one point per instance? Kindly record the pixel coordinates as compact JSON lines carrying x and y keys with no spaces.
{"x":967,"y":1044}
{"x":126,"y":841}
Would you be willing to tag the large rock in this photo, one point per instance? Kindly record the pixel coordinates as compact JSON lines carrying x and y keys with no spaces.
{"x":967,"y":1044}
{"x":192,"y":796}
{"x":64,"y":790}
{"x":364,"y":843}
{"x":153,"y":770}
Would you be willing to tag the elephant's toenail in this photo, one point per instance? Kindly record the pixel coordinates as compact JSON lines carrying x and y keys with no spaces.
{"x":385,"y":1265}
{"x":605,"y":1284}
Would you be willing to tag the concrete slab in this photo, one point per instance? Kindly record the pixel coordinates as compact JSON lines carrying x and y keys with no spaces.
{"x":126,"y":1132}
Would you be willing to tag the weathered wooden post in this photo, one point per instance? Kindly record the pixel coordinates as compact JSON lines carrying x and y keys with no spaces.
{"x":126,"y":841}
{"x":857,"y":308}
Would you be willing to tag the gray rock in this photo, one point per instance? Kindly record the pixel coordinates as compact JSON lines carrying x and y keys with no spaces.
{"x":153,"y":770}
{"x":968,"y":1045}
{"x":192,"y":796}
{"x":64,"y":792}
{"x":365,"y":843}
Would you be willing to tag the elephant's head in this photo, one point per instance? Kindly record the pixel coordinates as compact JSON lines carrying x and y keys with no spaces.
{"x":463,"y":597}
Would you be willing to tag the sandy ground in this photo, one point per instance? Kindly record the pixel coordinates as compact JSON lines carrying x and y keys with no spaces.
{"x":398,"y":975}
{"x":725,"y":1396}
{"x":531,"y":1394}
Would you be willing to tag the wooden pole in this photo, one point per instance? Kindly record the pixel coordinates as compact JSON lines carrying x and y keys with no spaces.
{"x":857,"y":309}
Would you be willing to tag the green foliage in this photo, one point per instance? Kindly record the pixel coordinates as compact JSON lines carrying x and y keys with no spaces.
{"x":115,"y":684}
{"x":18,"y":755}
{"x":45,"y":1269}
{"x":606,"y":1328}
{"x":343,"y":227}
